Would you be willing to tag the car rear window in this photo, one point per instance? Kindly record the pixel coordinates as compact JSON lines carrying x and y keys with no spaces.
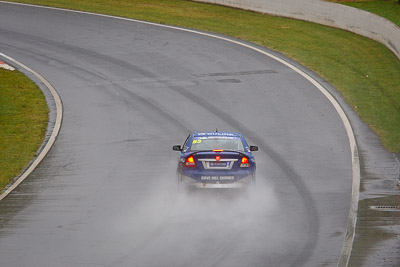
{"x":217,"y":142}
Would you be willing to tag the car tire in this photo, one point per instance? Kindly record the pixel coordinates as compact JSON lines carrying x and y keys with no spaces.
{"x":179,"y":182}
{"x":253,"y":179}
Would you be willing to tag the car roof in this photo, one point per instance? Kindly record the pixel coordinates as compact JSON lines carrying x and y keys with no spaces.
{"x":209,"y":134}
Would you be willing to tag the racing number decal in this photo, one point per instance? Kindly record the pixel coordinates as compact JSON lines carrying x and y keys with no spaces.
{"x":196,"y":141}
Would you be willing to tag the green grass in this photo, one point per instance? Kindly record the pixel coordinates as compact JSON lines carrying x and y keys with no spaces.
{"x":364,"y":71}
{"x":23,"y":122}
{"x":389,"y":9}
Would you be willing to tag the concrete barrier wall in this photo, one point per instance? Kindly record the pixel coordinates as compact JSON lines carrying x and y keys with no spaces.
{"x":326,"y":13}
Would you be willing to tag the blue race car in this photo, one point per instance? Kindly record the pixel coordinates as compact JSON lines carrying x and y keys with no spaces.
{"x":216,"y":160}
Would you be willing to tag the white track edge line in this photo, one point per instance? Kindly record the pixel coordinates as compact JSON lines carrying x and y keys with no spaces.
{"x":352,"y":219}
{"x":53,"y":136}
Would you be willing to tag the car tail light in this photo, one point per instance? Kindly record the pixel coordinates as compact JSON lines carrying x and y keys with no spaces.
{"x":245,"y":163}
{"x":190,"y":162}
{"x":218,"y":158}
{"x":218,"y":150}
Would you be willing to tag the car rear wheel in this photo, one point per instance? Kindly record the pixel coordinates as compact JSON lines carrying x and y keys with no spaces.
{"x":253,"y":179}
{"x":179,"y":182}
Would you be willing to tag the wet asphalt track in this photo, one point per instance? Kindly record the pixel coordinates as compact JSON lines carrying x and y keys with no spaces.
{"x":106,"y":193}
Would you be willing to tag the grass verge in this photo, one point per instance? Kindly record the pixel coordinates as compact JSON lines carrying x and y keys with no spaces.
{"x":364,"y":71}
{"x":23,"y":123}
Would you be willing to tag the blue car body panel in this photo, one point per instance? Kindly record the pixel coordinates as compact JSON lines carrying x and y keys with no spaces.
{"x":218,"y":160}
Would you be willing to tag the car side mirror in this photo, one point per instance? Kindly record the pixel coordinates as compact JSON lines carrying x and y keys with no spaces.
{"x":177,"y":148}
{"x":253,"y":148}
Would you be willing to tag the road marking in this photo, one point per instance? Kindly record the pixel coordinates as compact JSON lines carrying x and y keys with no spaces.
{"x":53,"y":135}
{"x":352,"y":219}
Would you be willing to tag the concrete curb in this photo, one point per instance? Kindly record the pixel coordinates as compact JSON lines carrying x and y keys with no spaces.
{"x":53,"y":136}
{"x":5,"y":66}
